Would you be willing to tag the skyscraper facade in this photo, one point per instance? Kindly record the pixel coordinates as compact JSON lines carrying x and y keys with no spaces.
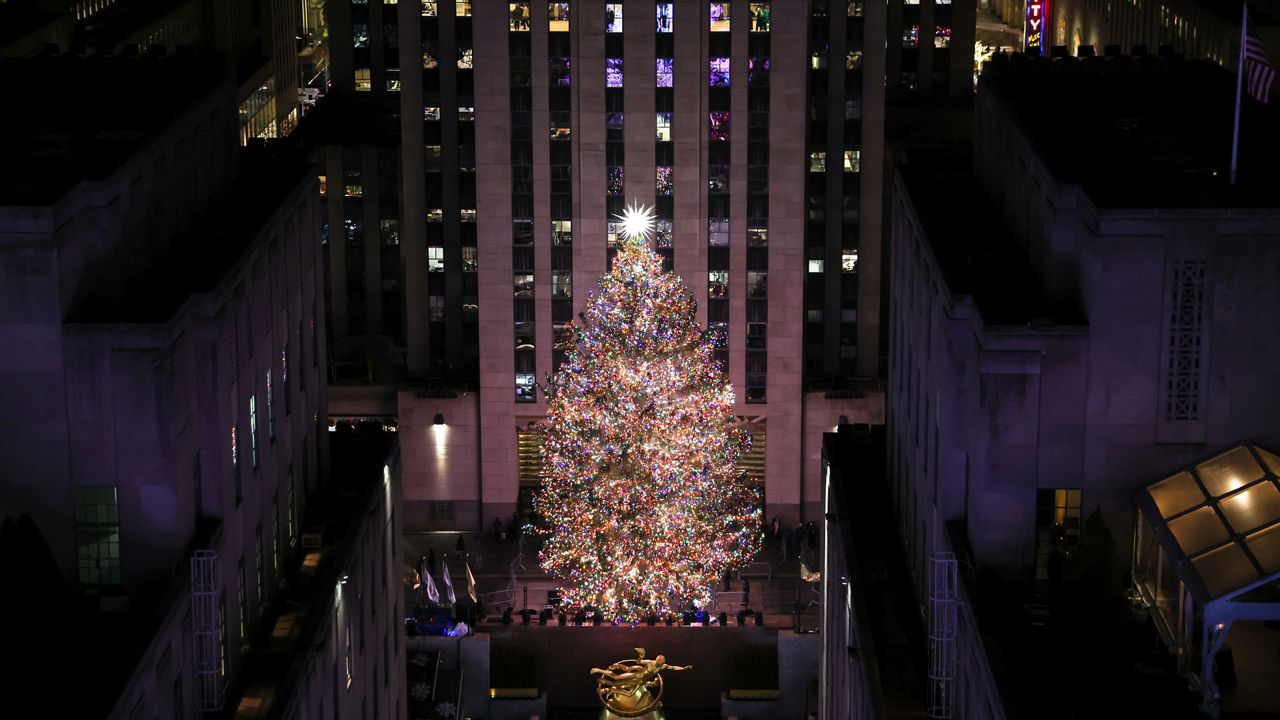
{"x":526,"y":128}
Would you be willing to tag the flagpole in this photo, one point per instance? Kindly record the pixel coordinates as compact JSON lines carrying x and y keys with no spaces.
{"x":1235,"y":137}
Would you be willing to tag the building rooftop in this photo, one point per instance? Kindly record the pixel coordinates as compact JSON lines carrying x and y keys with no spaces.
{"x":82,"y":117}
{"x":19,"y":18}
{"x":341,"y":120}
{"x":976,"y":253}
{"x":1142,"y":132}
{"x":199,"y":260}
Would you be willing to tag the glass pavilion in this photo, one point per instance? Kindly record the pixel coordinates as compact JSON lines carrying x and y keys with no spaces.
{"x":1206,"y":556}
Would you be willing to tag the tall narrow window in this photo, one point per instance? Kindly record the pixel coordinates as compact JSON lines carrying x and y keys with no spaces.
{"x":284,"y":379}
{"x":97,"y":524}
{"x":259,"y":571}
{"x":271,"y":409}
{"x":347,"y":657}
{"x":275,"y":537}
{"x":253,"y":430}
{"x":1058,"y":514}
{"x":222,"y":635}
{"x":243,"y":603}
{"x":291,"y":512}
{"x":235,"y":463}
{"x":1185,"y":337}
{"x":613,"y":17}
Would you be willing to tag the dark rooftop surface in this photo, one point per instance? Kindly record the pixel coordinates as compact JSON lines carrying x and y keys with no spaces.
{"x":341,"y":120}
{"x":198,"y":260}
{"x":1143,"y":132}
{"x":79,"y":118}
{"x":19,"y":18}
{"x":975,"y":251}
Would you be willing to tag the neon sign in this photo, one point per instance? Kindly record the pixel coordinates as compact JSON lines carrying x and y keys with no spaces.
{"x":1037,"y":13}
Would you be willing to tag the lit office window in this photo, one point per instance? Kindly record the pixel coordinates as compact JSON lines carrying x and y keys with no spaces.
{"x":718,"y":126}
{"x":363,"y":81}
{"x":462,"y":9}
{"x":718,"y":232}
{"x":663,"y":184}
{"x":253,"y":430}
{"x":614,"y":180}
{"x":525,"y":388}
{"x":853,"y":161}
{"x":663,"y":233}
{"x":720,"y":17}
{"x":561,"y":285}
{"x":429,"y":8}
{"x":718,"y":283}
{"x":664,"y":127}
{"x":518,"y":12}
{"x":718,"y":74}
{"x":613,"y":17}
{"x":435,"y":259}
{"x":664,"y":72}
{"x":523,"y":285}
{"x":271,"y":412}
{"x":760,"y":17}
{"x":849,"y":261}
{"x":818,"y":161}
{"x":561,"y":232}
{"x":97,"y":526}
{"x":613,"y":72}
{"x":558,"y":17}
{"x":360,"y":35}
{"x":665,"y":17}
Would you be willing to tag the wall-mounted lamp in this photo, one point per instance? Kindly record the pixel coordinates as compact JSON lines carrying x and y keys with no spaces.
{"x":344,"y":579}
{"x":439,"y":419}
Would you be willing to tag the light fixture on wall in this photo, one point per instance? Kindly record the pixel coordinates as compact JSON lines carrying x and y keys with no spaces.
{"x":439,"y":419}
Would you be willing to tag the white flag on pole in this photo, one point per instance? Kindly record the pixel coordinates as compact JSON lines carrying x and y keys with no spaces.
{"x":448,"y":585}
{"x":433,"y":594}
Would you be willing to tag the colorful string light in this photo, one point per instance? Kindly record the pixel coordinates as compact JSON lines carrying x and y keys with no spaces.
{"x":642,"y":508}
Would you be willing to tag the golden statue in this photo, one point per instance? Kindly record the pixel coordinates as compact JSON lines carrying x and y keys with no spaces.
{"x":633,"y":688}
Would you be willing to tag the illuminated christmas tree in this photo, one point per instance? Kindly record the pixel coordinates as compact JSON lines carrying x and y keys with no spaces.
{"x":643,"y":509}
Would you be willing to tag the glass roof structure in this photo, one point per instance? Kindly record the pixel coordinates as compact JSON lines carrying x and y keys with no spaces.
{"x":1223,"y":514}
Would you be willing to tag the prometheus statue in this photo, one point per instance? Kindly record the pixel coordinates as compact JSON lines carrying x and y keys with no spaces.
{"x":633,"y":688}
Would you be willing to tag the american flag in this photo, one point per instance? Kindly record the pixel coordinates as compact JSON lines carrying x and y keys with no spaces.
{"x":1259,"y":73}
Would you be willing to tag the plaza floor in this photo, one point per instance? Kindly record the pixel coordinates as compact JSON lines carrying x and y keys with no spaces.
{"x":507,"y":574}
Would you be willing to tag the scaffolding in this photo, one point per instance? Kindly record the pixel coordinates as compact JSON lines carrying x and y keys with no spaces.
{"x":204,"y":618}
{"x":942,"y":634}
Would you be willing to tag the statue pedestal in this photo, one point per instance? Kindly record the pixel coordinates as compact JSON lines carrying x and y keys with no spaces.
{"x":652,"y":715}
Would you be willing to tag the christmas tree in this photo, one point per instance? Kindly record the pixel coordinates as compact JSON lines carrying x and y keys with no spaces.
{"x":643,"y":509}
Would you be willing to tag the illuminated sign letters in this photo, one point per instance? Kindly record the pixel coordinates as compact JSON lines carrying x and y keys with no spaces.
{"x":1037,"y":16}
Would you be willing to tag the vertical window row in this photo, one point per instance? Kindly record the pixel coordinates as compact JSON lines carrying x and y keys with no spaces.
{"x":353,"y":247}
{"x":664,"y":152}
{"x":719,"y":51}
{"x":466,"y":252}
{"x":435,"y":108}
{"x":818,"y":361}
{"x":375,"y":46}
{"x":615,"y":140}
{"x":757,"y":287}
{"x":559,"y":103}
{"x":522,"y":254}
